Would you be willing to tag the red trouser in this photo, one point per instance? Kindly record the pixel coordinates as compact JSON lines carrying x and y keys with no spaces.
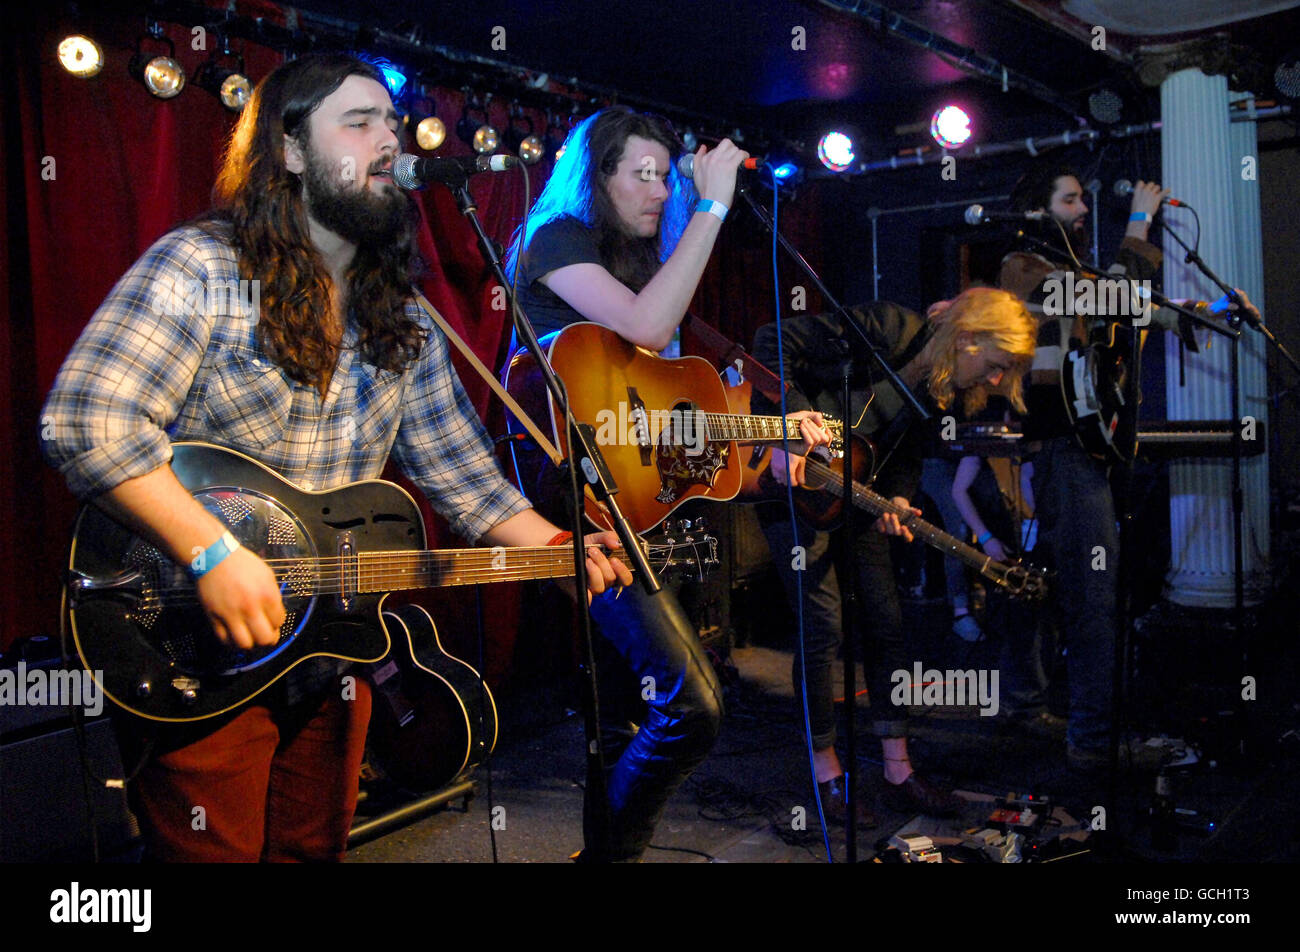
{"x":274,"y":785}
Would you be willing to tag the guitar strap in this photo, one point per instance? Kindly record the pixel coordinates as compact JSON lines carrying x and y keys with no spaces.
{"x":491,"y":379}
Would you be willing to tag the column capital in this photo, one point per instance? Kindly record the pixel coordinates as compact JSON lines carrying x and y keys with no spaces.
{"x":1212,"y":55}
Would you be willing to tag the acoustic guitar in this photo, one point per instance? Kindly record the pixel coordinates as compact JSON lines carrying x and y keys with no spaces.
{"x":142,"y":634}
{"x":663,"y":426}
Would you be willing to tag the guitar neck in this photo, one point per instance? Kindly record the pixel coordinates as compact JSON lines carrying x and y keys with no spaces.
{"x":870,"y":501}
{"x":725,"y":427}
{"x":369,"y":572}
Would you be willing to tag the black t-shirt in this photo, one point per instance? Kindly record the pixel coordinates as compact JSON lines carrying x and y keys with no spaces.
{"x":556,"y":244}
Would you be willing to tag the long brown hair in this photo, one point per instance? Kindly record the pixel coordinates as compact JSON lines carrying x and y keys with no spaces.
{"x":258,"y":204}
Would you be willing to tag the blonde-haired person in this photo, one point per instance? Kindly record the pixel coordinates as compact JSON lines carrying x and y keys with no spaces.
{"x":980,"y":342}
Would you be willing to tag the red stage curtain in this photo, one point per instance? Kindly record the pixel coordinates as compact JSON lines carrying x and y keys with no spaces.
{"x":96,"y":170}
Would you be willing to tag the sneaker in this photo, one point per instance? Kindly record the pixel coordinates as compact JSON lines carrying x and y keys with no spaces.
{"x":967,"y":628}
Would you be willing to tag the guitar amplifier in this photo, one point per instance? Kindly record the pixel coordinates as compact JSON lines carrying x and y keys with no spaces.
{"x":45,"y":816}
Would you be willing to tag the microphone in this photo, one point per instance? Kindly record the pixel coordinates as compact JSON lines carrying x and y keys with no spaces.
{"x":976,"y":215}
{"x":686,"y":164}
{"x":1124,"y":188}
{"x":410,"y":172}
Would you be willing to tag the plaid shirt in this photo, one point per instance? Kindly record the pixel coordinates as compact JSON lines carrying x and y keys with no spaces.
{"x":172,"y":354}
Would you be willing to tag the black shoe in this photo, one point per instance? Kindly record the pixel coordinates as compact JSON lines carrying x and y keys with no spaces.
{"x":834,"y":793}
{"x":915,"y":795}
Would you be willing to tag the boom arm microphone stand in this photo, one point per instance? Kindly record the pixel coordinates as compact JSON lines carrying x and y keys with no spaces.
{"x":846,"y":571}
{"x":584,"y":457}
{"x":1132,"y":394}
{"x":1238,"y":499}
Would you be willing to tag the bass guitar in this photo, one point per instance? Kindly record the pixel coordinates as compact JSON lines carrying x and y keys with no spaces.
{"x":663,"y":426}
{"x":142,"y":634}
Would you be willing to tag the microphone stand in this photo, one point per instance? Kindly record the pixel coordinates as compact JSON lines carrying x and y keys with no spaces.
{"x":847,"y":573}
{"x":584,"y":456}
{"x":1238,"y":500}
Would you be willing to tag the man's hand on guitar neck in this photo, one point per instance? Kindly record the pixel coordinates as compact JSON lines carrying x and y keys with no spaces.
{"x":889,"y":523}
{"x":814,"y":433}
{"x":530,"y":528}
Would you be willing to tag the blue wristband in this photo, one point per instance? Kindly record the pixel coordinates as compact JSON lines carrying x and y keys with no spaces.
{"x":984,"y":538}
{"x":1140,"y":216}
{"x":213,"y":555}
{"x":713,"y":208}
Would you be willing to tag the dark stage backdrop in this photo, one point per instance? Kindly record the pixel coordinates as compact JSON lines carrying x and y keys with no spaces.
{"x":96,"y":170}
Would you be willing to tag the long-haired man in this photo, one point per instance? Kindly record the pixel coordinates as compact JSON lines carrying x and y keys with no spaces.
{"x":322,"y":375}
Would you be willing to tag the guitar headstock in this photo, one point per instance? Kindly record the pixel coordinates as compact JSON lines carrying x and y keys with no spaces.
{"x":1026,"y":581}
{"x":682,"y":544}
{"x":836,"y":429}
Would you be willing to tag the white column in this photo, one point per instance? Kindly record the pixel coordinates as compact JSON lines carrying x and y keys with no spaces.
{"x":1202,"y":154}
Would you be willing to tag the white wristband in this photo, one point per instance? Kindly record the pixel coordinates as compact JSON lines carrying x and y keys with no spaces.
{"x":713,"y":208}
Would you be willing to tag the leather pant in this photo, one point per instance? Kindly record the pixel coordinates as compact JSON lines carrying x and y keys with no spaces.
{"x":661,"y":650}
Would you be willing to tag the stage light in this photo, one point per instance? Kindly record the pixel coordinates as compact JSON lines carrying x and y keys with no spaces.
{"x":81,"y":56}
{"x":520,"y":138}
{"x":531,"y":150}
{"x":950,"y":127}
{"x":231,"y":86}
{"x":556,"y":133}
{"x":835,"y":150}
{"x":481,"y":135}
{"x":161,"y":75}
{"x":430,"y":132}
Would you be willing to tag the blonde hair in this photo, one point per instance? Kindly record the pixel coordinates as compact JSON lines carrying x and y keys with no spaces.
{"x":993,"y":318}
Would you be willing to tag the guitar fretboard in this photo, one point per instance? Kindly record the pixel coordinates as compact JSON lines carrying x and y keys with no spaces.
{"x":755,"y":429}
{"x":871,"y":501}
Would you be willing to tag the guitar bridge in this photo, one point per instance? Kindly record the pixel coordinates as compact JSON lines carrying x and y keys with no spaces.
{"x":641,"y":423}
{"x":349,"y":571}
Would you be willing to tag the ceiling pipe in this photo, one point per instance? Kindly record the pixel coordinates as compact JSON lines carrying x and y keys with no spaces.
{"x":1033,"y":145}
{"x":961,"y":57}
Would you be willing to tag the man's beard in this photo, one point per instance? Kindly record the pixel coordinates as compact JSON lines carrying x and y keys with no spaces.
{"x":1078,"y":240}
{"x":355,"y":213}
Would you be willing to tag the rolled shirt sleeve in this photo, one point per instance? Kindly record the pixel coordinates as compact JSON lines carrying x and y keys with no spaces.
{"x":130,"y":371}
